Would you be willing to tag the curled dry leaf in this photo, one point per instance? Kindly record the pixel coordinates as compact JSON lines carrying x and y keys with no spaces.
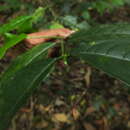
{"x":90,"y":110}
{"x":60,"y":117}
{"x":75,"y":114}
{"x":45,"y":35}
{"x":89,"y":126}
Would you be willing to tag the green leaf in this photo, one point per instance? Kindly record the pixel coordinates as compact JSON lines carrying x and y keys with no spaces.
{"x":14,"y":24}
{"x":10,"y":43}
{"x":23,"y":23}
{"x":55,"y":25}
{"x":83,"y":25}
{"x":118,"y":2}
{"x":86,"y":15}
{"x":35,"y":17}
{"x":18,"y":88}
{"x":39,"y":13}
{"x":70,"y":21}
{"x":99,"y":32}
{"x":25,"y":59}
{"x":21,"y":78}
{"x":107,"y":48}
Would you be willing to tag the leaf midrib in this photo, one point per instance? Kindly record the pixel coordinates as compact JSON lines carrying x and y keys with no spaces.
{"x":32,"y":82}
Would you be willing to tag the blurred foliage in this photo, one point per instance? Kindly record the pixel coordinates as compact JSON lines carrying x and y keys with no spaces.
{"x":71,"y":10}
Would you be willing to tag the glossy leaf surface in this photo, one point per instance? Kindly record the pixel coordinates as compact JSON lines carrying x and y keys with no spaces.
{"x":21,"y":78}
{"x":107,"y":48}
{"x":18,"y":88}
{"x":25,"y":59}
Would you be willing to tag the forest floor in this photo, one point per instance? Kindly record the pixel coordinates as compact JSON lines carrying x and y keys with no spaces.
{"x":77,"y":96}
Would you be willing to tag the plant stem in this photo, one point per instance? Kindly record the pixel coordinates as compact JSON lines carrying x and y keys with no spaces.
{"x":62,"y":48}
{"x":64,"y":55}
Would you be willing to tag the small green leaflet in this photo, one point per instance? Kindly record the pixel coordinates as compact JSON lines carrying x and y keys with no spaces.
{"x":10,"y":43}
{"x":14,"y":24}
